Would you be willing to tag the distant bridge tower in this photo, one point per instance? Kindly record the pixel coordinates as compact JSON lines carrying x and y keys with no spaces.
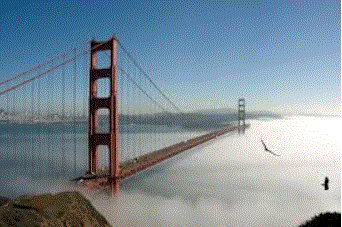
{"x":241,"y":115}
{"x":110,"y":139}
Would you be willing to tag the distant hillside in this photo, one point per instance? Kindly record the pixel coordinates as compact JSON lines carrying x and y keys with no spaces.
{"x":313,"y":115}
{"x":229,"y":111}
{"x":215,"y":111}
{"x":199,"y":119}
{"x":263,"y":113}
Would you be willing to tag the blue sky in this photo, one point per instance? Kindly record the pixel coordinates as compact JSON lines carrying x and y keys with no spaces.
{"x":280,"y":55}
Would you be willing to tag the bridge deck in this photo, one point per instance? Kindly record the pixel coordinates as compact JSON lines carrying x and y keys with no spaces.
{"x":133,"y":166}
{"x":143,"y":162}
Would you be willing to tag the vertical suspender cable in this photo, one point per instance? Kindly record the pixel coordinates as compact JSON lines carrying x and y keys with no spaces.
{"x":84,"y":107}
{"x":64,"y":167}
{"x":74,"y":113}
{"x":7,"y":124}
{"x":137,"y":140}
{"x":25,"y":134}
{"x":38,"y":151}
{"x":140,"y":117}
{"x":129,"y":132}
{"x":47,"y":134}
{"x":14,"y":147}
{"x":32,"y":133}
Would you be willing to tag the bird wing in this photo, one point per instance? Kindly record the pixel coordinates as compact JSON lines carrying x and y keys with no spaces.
{"x":266,"y":149}
{"x":273,"y":153}
{"x":264,"y":144}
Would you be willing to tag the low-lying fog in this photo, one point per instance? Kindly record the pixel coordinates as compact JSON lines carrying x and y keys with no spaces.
{"x":231,"y":181}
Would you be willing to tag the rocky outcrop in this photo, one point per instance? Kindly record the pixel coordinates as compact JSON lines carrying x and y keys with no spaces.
{"x":3,"y":200}
{"x":324,"y":219}
{"x":63,"y":209}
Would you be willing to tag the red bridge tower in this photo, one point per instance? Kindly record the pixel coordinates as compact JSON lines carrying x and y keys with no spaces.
{"x":110,"y":139}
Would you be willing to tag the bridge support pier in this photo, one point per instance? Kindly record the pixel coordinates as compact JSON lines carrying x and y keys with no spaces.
{"x":110,"y":139}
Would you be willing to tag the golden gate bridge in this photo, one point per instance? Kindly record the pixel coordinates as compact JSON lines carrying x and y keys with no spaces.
{"x":101,"y":114}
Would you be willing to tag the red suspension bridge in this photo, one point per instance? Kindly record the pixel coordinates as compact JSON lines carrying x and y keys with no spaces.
{"x":102,"y":115}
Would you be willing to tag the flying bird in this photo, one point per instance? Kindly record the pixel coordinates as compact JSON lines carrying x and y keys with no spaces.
{"x":326,"y":183}
{"x":266,"y":149}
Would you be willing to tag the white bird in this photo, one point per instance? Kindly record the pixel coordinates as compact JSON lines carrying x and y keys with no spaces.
{"x":266,"y":149}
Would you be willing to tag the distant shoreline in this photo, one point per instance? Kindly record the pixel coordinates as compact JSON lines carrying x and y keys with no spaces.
{"x":311,"y":115}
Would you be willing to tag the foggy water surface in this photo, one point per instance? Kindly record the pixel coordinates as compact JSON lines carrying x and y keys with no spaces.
{"x":232,"y":181}
{"x":229,"y":181}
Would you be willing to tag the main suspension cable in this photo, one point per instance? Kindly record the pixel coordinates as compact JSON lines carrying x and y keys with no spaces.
{"x":149,"y":79}
{"x":142,"y":90}
{"x":43,"y":64}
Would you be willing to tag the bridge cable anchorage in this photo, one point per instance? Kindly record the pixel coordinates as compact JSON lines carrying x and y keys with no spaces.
{"x":47,"y":72}
{"x":63,"y":55}
{"x":149,"y":79}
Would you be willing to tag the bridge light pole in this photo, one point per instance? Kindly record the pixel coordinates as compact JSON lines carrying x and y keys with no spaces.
{"x":110,"y":139}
